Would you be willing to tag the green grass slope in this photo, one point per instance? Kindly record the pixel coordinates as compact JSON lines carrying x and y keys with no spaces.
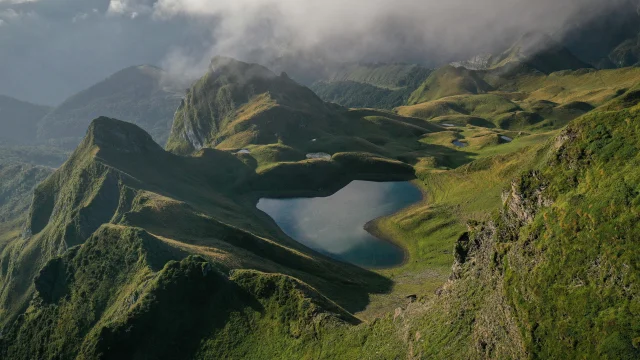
{"x":554,"y":273}
{"x":236,"y":104}
{"x":120,"y":176}
{"x":106,"y":305}
{"x":382,"y":86}
{"x":139,"y":94}
{"x":268,"y":120}
{"x":448,"y":81}
{"x":528,"y":101}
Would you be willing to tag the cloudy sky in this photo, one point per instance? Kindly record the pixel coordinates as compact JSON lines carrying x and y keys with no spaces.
{"x":50,"y":49}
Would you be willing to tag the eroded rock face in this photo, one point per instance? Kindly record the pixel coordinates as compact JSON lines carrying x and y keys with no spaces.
{"x":523,"y":200}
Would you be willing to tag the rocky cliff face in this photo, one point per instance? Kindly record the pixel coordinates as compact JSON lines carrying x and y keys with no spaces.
{"x":548,"y":253}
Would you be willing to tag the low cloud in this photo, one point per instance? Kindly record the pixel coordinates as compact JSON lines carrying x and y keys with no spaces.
{"x":54,"y":48}
{"x":427,"y":31}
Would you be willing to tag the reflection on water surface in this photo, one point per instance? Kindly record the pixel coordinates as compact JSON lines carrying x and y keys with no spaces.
{"x":334,"y":225}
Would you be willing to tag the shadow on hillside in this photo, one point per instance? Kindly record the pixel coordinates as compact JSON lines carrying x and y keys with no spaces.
{"x":443,"y":157}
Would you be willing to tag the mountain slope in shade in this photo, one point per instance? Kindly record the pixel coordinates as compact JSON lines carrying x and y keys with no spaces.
{"x":236,"y":104}
{"x":371,"y":85}
{"x":533,"y":51}
{"x":449,"y":81}
{"x":139,"y":94}
{"x":18,"y":120}
{"x":273,"y":122}
{"x":193,"y":205}
{"x":627,"y":53}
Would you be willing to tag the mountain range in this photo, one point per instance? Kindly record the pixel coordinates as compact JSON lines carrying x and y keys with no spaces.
{"x":524,"y":245}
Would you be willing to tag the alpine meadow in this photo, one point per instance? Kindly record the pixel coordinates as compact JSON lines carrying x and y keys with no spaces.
{"x":279,"y":179}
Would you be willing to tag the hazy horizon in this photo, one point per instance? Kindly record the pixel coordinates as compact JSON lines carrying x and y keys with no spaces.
{"x":56,"y":48}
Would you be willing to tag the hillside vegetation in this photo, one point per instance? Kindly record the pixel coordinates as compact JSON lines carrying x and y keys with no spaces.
{"x":524,"y":246}
{"x":382,"y":86}
{"x":529,"y":101}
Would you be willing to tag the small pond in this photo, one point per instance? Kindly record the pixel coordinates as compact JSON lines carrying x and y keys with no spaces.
{"x":334,"y":225}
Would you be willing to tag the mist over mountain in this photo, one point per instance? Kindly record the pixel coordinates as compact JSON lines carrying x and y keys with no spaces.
{"x":337,"y":179}
{"x":18,"y":120}
{"x":62,"y":46}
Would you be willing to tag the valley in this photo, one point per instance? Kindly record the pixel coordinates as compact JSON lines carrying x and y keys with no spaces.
{"x":483,"y":210}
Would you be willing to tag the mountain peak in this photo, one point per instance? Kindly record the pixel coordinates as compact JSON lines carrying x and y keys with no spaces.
{"x":222,"y":65}
{"x":237,"y":97}
{"x":532,"y":43}
{"x":533,"y":51}
{"x":107,"y":133}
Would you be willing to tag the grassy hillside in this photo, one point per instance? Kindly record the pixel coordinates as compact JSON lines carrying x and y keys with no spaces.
{"x":118,"y":175}
{"x":239,"y":106}
{"x":141,"y":95}
{"x":18,"y":120}
{"x":448,"y":81}
{"x":236,"y":104}
{"x":531,"y":192}
{"x":133,"y":298}
{"x":383,"y":86}
{"x":529,"y":101}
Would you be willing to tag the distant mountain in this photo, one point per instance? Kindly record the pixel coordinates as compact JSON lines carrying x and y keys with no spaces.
{"x":593,"y":39}
{"x":533,"y":51}
{"x":627,"y":53}
{"x":17,"y":181}
{"x":18,"y":120}
{"x":371,"y":85}
{"x":448,"y":81}
{"x":139,"y":94}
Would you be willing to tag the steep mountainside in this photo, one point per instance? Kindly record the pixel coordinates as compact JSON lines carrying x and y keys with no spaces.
{"x":382,"y":86}
{"x":139,"y":94}
{"x":627,"y":53}
{"x":239,"y":106}
{"x":16,"y":186}
{"x":120,"y":188}
{"x":18,"y":120}
{"x":533,"y":51}
{"x":17,"y":181}
{"x":236,"y":104}
{"x":531,"y":192}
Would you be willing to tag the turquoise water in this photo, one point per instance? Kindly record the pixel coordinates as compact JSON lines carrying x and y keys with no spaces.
{"x":334,"y":225}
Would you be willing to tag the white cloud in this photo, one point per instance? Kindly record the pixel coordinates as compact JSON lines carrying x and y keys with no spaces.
{"x":14,"y":2}
{"x":130,"y":8}
{"x":385,"y":30}
{"x":79,"y":17}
